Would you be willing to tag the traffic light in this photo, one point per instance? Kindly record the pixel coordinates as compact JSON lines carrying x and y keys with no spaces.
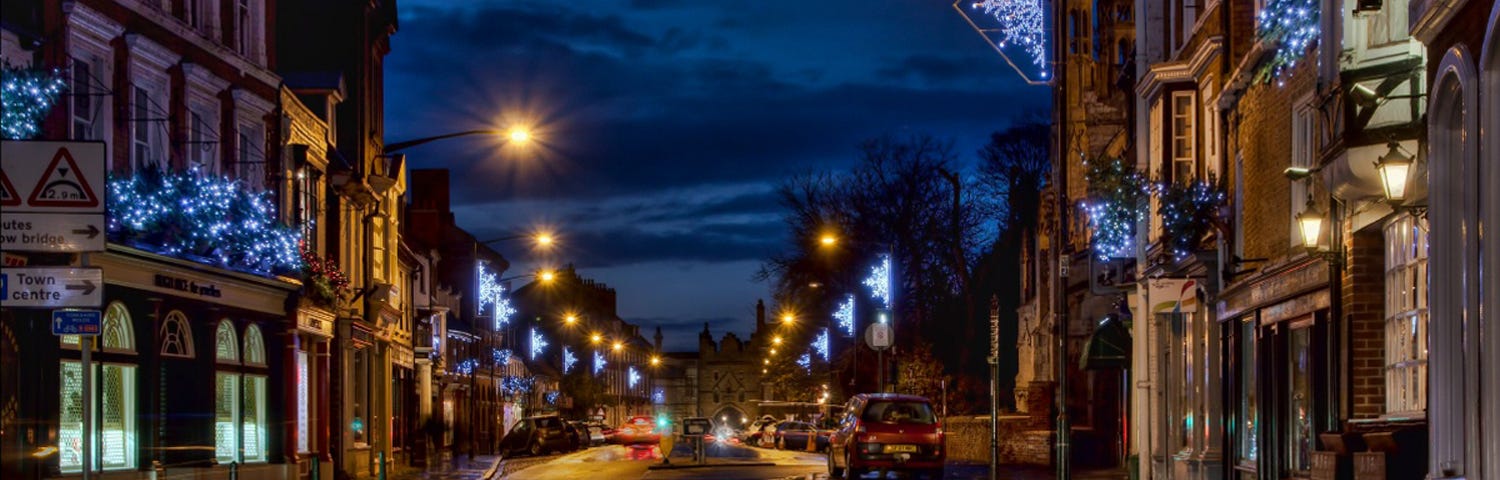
{"x":662,"y":422}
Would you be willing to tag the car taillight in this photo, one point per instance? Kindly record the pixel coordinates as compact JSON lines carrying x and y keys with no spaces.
{"x":859,"y":429}
{"x":869,"y":447}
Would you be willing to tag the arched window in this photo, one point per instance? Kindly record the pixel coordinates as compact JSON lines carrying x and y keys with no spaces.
{"x":176,"y":336}
{"x":239,"y":395}
{"x":113,"y":403}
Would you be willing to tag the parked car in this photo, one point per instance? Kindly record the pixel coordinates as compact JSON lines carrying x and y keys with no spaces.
{"x":536,"y":435}
{"x":578,"y":437}
{"x":889,"y":432}
{"x":592,"y":433}
{"x":795,"y":435}
{"x":756,"y":434}
{"x":637,"y":430}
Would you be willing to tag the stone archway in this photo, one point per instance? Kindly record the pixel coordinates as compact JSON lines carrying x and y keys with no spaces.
{"x":732,"y":416}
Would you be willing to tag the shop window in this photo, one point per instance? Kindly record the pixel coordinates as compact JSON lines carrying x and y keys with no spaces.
{"x":176,"y":336}
{"x":113,"y":404}
{"x":1301,"y":438}
{"x":1406,"y":316}
{"x":303,"y":399}
{"x":239,"y":397}
{"x":1249,"y":415}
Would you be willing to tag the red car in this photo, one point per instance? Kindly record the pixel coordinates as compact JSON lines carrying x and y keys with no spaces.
{"x":887,"y":431}
{"x":637,"y":430}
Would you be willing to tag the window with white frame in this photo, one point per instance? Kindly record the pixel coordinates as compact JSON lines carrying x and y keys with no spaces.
{"x":308,"y":198}
{"x":378,"y":238}
{"x":113,"y":405}
{"x":252,"y":157}
{"x":239,"y":395}
{"x":1386,"y":26}
{"x":1406,"y":316}
{"x":86,"y":96}
{"x":1210,"y":122}
{"x":1184,"y":128}
{"x":1304,"y":155}
{"x":147,"y":127}
{"x":202,"y":141}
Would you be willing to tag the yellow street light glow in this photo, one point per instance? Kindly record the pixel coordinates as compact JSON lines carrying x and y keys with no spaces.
{"x":519,"y":135}
{"x":570,"y":319}
{"x":776,"y":340}
{"x":773,"y":351}
{"x":788,"y":318}
{"x":828,"y":240}
{"x":765,"y":362}
{"x":546,"y":275}
{"x":655,"y":360}
{"x":618,"y":346}
{"x":595,"y":338}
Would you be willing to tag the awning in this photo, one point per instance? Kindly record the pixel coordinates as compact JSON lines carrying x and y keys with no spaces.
{"x":1108,"y":346}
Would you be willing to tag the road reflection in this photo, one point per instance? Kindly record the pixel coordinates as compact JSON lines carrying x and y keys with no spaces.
{"x":642,"y":452}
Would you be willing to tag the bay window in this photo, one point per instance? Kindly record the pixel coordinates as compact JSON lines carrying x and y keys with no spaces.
{"x":1406,"y":316}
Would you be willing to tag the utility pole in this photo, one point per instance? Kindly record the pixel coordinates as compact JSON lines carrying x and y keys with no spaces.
{"x":1060,"y":246}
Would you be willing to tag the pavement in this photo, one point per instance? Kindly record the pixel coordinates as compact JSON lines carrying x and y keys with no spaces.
{"x":452,"y":467}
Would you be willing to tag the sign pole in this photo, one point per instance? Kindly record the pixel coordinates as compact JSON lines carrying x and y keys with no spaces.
{"x":88,"y":404}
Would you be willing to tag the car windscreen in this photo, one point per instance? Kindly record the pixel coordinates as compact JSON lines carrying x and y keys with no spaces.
{"x":905,"y":412}
{"x":548,"y":423}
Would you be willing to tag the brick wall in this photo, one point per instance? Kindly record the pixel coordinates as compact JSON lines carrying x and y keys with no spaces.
{"x":1364,"y":308}
{"x":1263,"y":137}
{"x":969,"y":440}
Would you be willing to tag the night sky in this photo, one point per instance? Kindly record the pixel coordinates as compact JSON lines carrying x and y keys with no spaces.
{"x":666,"y":125}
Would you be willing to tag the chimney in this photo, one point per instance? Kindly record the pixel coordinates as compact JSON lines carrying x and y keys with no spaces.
{"x":658,"y":338}
{"x":760,"y":315}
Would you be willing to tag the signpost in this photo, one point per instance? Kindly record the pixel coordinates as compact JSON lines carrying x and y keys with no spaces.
{"x":878,"y":336}
{"x":695,"y":428}
{"x":52,"y":196}
{"x":52,"y":287}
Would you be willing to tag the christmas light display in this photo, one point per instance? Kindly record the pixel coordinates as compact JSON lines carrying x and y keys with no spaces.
{"x":492,"y":296}
{"x":201,"y":217}
{"x":1289,"y":26}
{"x":322,"y":280}
{"x":820,"y":344}
{"x":879,"y":281}
{"x":659,"y":397}
{"x":466,"y":367}
{"x":1022,"y":24}
{"x":1187,"y":213}
{"x":632,"y":376}
{"x":845,"y":316}
{"x":1116,"y":202}
{"x":26,"y":95}
{"x":551,"y":397}
{"x":599,"y":363}
{"x":512,"y":385}
{"x":805,"y":361}
{"x":538,"y":343}
{"x":568,"y":359}
{"x":502,"y":356}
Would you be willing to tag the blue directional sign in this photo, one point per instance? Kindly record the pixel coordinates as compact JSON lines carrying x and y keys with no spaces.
{"x":77,"y":322}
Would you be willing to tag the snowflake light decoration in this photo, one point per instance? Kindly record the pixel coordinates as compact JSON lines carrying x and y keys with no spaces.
{"x":1023,"y":25}
{"x":845,"y":316}
{"x":879,"y":281}
{"x":492,"y":294}
{"x":805,"y":361}
{"x":568,"y":359}
{"x":820,"y":344}
{"x":659,"y":397}
{"x":26,"y":95}
{"x":633,"y":376}
{"x":599,"y":363}
{"x":538,"y":343}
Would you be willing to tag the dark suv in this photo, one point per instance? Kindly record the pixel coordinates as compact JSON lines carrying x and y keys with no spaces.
{"x":536,"y":435}
{"x":887,"y":431}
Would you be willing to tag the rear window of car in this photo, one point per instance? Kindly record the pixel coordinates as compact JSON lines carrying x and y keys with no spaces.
{"x":904,"y":412}
{"x":548,"y":423}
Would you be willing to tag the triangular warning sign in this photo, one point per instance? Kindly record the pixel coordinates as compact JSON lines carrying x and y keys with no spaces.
{"x":62,"y":185}
{"x":9,"y":197}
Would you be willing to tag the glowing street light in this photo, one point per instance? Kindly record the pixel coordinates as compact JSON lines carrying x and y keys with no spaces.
{"x":619,"y":345}
{"x":828,"y":240}
{"x":655,"y":360}
{"x":596,"y":338}
{"x":788,"y":318}
{"x":776,"y":340}
{"x":519,"y":135}
{"x":570,"y":319}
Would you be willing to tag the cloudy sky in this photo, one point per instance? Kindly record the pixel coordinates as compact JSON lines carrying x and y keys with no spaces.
{"x":665,"y":125}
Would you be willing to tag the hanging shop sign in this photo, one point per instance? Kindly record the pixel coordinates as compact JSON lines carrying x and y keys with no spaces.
{"x":1173,"y":295}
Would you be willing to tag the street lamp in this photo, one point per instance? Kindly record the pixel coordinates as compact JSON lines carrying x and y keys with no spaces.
{"x":1310,"y":222}
{"x":570,"y":319}
{"x":1395,"y":170}
{"x":776,"y":340}
{"x":516,"y":134}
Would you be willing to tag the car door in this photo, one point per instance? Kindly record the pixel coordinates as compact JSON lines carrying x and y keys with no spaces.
{"x":520,"y":437}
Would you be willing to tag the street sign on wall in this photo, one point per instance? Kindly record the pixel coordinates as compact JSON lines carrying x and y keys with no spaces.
{"x":77,"y":322}
{"x":52,"y":196}
{"x":51,"y":287}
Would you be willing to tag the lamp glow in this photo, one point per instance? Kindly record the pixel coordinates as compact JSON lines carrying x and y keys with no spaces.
{"x":1395,"y":170}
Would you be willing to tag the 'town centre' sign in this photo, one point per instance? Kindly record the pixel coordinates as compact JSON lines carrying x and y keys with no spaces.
{"x":51,"y":287}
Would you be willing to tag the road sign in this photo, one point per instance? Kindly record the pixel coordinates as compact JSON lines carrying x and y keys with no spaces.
{"x":51,"y":287}
{"x":77,"y":322}
{"x":52,"y":177}
{"x":878,"y":336}
{"x":696,"y":426}
{"x":51,"y":232}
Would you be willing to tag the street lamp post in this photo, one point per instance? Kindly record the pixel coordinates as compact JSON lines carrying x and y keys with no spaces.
{"x":829,"y":240}
{"x":515,"y":134}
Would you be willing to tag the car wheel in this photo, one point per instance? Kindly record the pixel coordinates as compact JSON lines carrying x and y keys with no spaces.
{"x":833,"y":470}
{"x":536,"y":448}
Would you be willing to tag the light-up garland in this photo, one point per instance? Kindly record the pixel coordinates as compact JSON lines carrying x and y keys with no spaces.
{"x":512,"y":385}
{"x":538,"y":343}
{"x":633,"y":376}
{"x":1187,"y":213}
{"x":879,"y":281}
{"x":568,"y":359}
{"x":1289,"y":26}
{"x":466,"y":367}
{"x":201,"y":217}
{"x":26,"y":95}
{"x":1023,"y":23}
{"x":805,"y":361}
{"x":1116,"y":202}
{"x":492,"y":293}
{"x":820,"y":344}
{"x":322,"y":280}
{"x":845,"y":316}
{"x":599,"y":363}
{"x":501,"y":355}
{"x":659,"y":397}
{"x":551,"y":397}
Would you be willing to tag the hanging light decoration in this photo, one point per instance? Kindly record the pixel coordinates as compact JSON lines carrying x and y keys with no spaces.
{"x":1290,"y":27}
{"x":820,"y":344}
{"x":879,"y":281}
{"x":633,"y":376}
{"x":1022,"y":25}
{"x":538,"y":343}
{"x":568,"y":359}
{"x":599,"y":363}
{"x":805,"y":361}
{"x":26,"y":95}
{"x":845,"y":316}
{"x":1395,"y":170}
{"x":502,"y":356}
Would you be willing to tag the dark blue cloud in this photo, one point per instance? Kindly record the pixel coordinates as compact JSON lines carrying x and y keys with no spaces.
{"x":665,"y":124}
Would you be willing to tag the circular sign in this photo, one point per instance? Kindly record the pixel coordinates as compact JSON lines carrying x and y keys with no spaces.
{"x":878,"y":336}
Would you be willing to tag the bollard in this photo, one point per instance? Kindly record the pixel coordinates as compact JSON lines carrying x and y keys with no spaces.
{"x":381,"y":456}
{"x":315,"y":468}
{"x":234,"y":470}
{"x":156,"y":469}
